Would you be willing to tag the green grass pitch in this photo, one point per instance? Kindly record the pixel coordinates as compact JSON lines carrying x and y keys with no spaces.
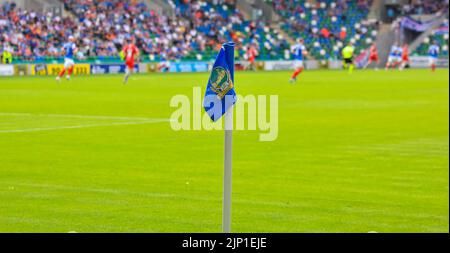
{"x":359,"y":153}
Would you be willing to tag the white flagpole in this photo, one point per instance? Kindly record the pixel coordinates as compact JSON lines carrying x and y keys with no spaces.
{"x":226,"y":211}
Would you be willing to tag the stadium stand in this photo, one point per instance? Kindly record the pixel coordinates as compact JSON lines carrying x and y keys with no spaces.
{"x":423,"y":7}
{"x":327,"y":26}
{"x":221,"y":21}
{"x":196,"y":30}
{"x":441,"y":36}
{"x":102,"y":26}
{"x":113,"y":21}
{"x":33,"y":35}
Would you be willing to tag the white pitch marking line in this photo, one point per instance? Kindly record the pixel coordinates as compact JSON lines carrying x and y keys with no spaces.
{"x":74,"y":116}
{"x":81,"y":126}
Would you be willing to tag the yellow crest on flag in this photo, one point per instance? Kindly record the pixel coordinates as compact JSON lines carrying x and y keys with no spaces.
{"x":220,"y":81}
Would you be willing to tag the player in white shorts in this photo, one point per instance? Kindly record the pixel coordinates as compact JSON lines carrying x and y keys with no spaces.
{"x":394,"y":58}
{"x":298,"y":51}
{"x":433,"y":55}
{"x":69,"y":49}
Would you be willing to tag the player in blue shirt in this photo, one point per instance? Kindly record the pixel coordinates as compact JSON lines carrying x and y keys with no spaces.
{"x":298,"y":51}
{"x":69,"y":50}
{"x":398,"y":55}
{"x":395,"y":57}
{"x":433,"y":55}
{"x":164,"y":64}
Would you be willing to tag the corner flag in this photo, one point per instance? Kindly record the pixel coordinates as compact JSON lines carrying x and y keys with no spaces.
{"x":219,"y":98}
{"x":220,"y":94}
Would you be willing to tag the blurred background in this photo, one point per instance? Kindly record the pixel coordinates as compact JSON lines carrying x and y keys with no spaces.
{"x":191,"y":30}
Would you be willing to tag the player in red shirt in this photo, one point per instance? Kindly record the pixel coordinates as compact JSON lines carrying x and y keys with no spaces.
{"x":131,"y":52}
{"x":252,"y":53}
{"x":405,"y":57}
{"x":373,"y":56}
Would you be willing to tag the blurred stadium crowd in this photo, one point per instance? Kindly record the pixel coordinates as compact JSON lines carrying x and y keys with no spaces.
{"x":328,"y":25}
{"x":439,"y":35}
{"x":195,"y":31}
{"x":420,"y":7}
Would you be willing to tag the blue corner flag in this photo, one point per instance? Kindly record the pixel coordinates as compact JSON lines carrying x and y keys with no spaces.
{"x":220,"y":94}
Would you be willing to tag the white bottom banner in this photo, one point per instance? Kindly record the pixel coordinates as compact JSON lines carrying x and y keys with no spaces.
{"x":6,"y":70}
{"x":424,"y":62}
{"x":288,"y":65}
